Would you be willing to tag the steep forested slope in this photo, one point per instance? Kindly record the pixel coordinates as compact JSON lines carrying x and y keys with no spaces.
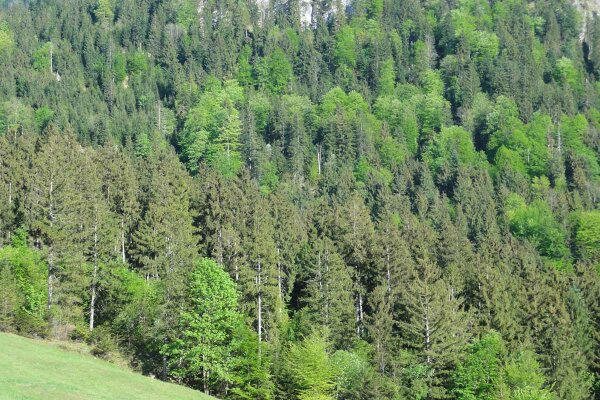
{"x":369,"y":199}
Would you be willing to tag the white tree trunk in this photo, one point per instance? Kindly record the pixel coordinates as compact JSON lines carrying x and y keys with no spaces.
{"x":259,"y":301}
{"x":94,"y":278}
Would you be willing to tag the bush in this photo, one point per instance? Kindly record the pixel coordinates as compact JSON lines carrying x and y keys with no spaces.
{"x":103,"y":343}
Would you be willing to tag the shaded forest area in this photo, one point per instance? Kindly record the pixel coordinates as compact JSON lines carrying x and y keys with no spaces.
{"x":374,"y":199}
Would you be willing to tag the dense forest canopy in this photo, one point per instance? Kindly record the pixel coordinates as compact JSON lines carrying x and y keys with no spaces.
{"x":295,"y":199}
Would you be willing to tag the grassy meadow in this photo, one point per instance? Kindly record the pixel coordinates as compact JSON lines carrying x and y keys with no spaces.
{"x":33,"y":369}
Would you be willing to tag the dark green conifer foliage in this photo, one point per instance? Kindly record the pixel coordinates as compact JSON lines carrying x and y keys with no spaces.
{"x":403,"y":194}
{"x":54,"y":210}
{"x":434,"y":323}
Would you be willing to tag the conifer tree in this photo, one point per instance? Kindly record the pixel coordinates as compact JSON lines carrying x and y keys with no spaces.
{"x":11,"y":166}
{"x":164,"y":246}
{"x":330,"y":292}
{"x":119,"y":187}
{"x":259,"y":276}
{"x":54,"y":208}
{"x":100,"y":230}
{"x":392,"y":254}
{"x":381,"y":327}
{"x":434,"y":324}
{"x":357,"y":235}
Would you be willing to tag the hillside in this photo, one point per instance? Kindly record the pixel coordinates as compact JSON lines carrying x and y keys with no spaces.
{"x":32,"y":369}
{"x":300,"y":199}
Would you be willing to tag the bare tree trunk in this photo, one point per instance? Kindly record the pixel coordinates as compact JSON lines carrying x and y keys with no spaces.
{"x":50,"y":248}
{"x":326,"y":287}
{"x":427,"y":331}
{"x":319,"y":159}
{"x":204,"y":376}
{"x":279,"y":283}
{"x":50,"y":276}
{"x":357,"y":313}
{"x":94,"y":278}
{"x":159,"y":119}
{"x":10,"y":204}
{"x":165,"y":365}
{"x":220,"y":245}
{"x":259,"y":328}
{"x":123,"y":240}
{"x":361,"y":314}
{"x":388,"y":272}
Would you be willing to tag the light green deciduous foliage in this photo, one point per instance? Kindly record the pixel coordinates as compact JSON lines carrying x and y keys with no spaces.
{"x":400,"y":119}
{"x":142,"y":144}
{"x":7,"y":40}
{"x":453,"y":147}
{"x":202,"y":350}
{"x":503,"y":124}
{"x":375,"y":8}
{"x":186,"y":13}
{"x":524,"y":377}
{"x":345,"y":47}
{"x":587,"y":237}
{"x":508,"y":159}
{"x":43,"y":116}
{"x":279,"y":71}
{"x":224,"y":152}
{"x":352,"y":373}
{"x":432,"y":83}
{"x":137,"y":63}
{"x":311,"y":369}
{"x":484,"y":44}
{"x":244,"y":68}
{"x":432,"y":111}
{"x":346,"y":123}
{"x":535,"y":153}
{"x":41,"y":57}
{"x":119,"y":67}
{"x":536,"y":223}
{"x":513,"y":144}
{"x":489,"y":373}
{"x":387,"y":78}
{"x":480,"y":375}
{"x":573,"y":131}
{"x":15,"y":117}
{"x":567,"y":74}
{"x":104,"y":11}
{"x":212,"y":130}
{"x":23,"y":268}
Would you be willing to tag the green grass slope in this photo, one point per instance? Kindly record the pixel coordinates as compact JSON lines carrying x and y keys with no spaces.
{"x":32,"y":370}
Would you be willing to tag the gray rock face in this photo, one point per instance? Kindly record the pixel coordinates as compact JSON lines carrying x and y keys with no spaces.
{"x":306,"y":13}
{"x":588,"y":8}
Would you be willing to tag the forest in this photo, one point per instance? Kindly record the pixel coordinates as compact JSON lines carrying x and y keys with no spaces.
{"x":308,"y":199}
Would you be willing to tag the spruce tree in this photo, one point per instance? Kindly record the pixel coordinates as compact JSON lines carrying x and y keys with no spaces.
{"x":434,"y":324}
{"x":54,"y":211}
{"x":164,"y":246}
{"x":330,"y":292}
{"x":100,"y":230}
